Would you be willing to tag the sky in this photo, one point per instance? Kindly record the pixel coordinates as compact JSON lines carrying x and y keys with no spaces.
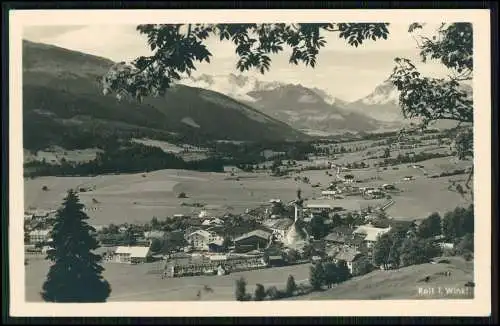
{"x":346,"y":72}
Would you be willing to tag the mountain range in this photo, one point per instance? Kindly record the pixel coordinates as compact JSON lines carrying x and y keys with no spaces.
{"x":313,"y":110}
{"x":64,"y":105}
{"x":62,"y":100}
{"x":309,"y":109}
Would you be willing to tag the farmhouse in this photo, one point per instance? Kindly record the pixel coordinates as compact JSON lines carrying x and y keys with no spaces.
{"x":150,"y":235}
{"x":333,"y":205}
{"x":351,"y":257}
{"x":330,"y":194}
{"x":216,"y":246}
{"x":231,"y":168}
{"x":132,"y":254}
{"x":339,"y":235}
{"x":200,"y":239}
{"x":39,"y":236}
{"x":279,"y":227}
{"x":370,"y":233}
{"x":348,"y":178}
{"x":254,"y":240}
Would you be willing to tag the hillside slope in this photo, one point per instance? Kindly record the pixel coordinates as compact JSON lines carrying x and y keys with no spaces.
{"x":63,"y":105}
{"x":405,"y":283}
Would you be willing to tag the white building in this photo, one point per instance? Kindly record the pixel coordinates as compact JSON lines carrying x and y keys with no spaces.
{"x":39,"y":236}
{"x":371,"y":233}
{"x":200,"y":239}
{"x":279,"y":227}
{"x":132,"y":254}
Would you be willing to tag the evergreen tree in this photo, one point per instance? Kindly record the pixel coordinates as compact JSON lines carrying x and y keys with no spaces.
{"x":331,"y":274}
{"x":241,"y":289}
{"x":342,"y":271}
{"x":381,"y":250}
{"x":291,"y":286}
{"x":75,"y":274}
{"x":317,"y":276}
{"x":260,"y":292}
{"x":155,"y":224}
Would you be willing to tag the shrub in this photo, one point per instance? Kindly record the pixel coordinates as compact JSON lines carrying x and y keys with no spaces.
{"x":45,"y":188}
{"x":182,"y":195}
{"x":274,"y":293}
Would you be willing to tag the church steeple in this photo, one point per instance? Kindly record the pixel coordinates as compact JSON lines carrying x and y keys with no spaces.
{"x":298,"y":204}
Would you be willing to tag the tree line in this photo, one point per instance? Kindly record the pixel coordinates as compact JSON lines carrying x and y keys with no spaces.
{"x":410,"y":245}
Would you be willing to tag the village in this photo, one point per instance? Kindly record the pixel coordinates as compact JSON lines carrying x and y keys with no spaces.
{"x":332,"y":227}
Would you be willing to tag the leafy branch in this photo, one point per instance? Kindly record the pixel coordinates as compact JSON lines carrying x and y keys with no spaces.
{"x":176,"y":48}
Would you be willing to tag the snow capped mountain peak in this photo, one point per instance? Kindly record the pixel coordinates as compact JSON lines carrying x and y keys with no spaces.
{"x":232,"y":85}
{"x":385,"y":93}
{"x":239,"y":87}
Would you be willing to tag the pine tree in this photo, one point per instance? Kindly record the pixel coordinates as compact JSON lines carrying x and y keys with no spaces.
{"x":291,"y":286}
{"x":317,"y":276}
{"x":75,"y":274}
{"x":260,"y":292}
{"x":331,"y":274}
{"x":342,"y":271}
{"x":241,"y":289}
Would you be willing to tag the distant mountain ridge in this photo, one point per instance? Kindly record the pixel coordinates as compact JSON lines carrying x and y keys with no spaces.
{"x":308,"y":109}
{"x":383,"y":104}
{"x":61,"y":96}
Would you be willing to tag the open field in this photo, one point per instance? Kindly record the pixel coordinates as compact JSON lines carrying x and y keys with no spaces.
{"x":418,"y":198}
{"x":137,"y":198}
{"x":56,"y":154}
{"x":404,"y":283}
{"x":134,"y":283}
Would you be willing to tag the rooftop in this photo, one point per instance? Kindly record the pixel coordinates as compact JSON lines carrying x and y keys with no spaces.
{"x":371,"y":232}
{"x":347,"y":254}
{"x":255,"y":233}
{"x":280,"y":224}
{"x":133,"y":251}
{"x":154,"y":234}
{"x":40,"y":232}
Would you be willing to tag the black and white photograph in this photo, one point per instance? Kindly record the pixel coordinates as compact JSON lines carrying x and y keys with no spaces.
{"x":216,"y":159}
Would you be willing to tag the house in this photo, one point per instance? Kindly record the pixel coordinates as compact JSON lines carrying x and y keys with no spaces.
{"x":339,"y":235}
{"x":231,"y":168}
{"x":351,"y":257}
{"x":150,"y":235}
{"x":132,"y":254}
{"x":388,"y":187}
{"x":256,"y":239}
{"x":276,"y":261}
{"x":329,"y":193}
{"x":216,"y":246}
{"x":213,"y":221}
{"x":370,"y":233}
{"x":333,"y":205}
{"x":279,"y":227}
{"x":446,"y":245}
{"x":39,"y":236}
{"x":200,"y":239}
{"x":348,"y":178}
